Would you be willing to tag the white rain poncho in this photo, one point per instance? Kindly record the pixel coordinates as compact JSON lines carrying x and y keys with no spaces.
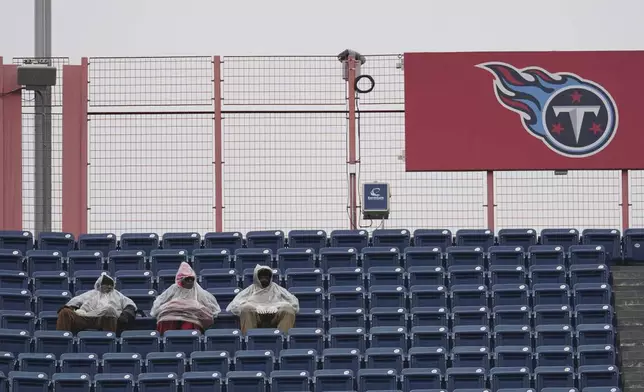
{"x":95,"y":303}
{"x":177,"y":303}
{"x":272,"y":299}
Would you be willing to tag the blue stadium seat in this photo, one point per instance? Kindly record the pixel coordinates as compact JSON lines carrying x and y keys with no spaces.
{"x":15,"y":299}
{"x":225,"y":295}
{"x":509,"y":377}
{"x":419,"y":256}
{"x":249,"y":258}
{"x":142,"y":342}
{"x":71,"y":382}
{"x":595,"y":334}
{"x":346,"y":297}
{"x":211,"y":259}
{"x":562,"y":237}
{"x":465,"y":275}
{"x":165,"y":278}
{"x":465,"y":256}
{"x":633,"y":249}
{"x":246,"y":382}
{"x":598,"y":376}
{"x":385,"y":276}
{"x":547,"y":274}
{"x":295,"y":258}
{"x":231,"y":241}
{"x":550,"y":294}
{"x":44,"y":260}
{"x":314,"y":239}
{"x":592,"y":294}
{"x":47,"y":321}
{"x":37,"y":362}
{"x":266,"y":339}
{"x":429,"y":316}
{"x":18,"y":319}
{"x":7,"y":362}
{"x":28,"y":381}
{"x":471,"y":336}
{"x":142,"y":298}
{"x":524,"y":238}
{"x":513,"y":335}
{"x":587,"y":273}
{"x":511,"y":315}
{"x":158,"y":382}
{"x":342,"y":358}
{"x":440,"y":238}
{"x":124,"y":260}
{"x":428,"y":296}
{"x":166,"y":362}
{"x":428,"y":358}
{"x":554,"y":356}
{"x":553,"y":335}
{"x":554,"y":377}
{"x":470,"y":356}
{"x":587,"y":254}
{"x":15,"y":341}
{"x":146,"y":242}
{"x":87,"y":363}
{"x":593,"y":314}
{"x":310,"y":318}
{"x":610,"y":239}
{"x":338,"y":258}
{"x":133,"y":279}
{"x":470,"y":315}
{"x":482,"y":238}
{"x":373,"y":379}
{"x":387,"y":296}
{"x":309,"y":297}
{"x":465,"y":378}
{"x":299,"y":359}
{"x":290,"y":380}
{"x":14,"y":280}
{"x":357,"y":239}
{"x":181,"y":241}
{"x":22,"y":241}
{"x":513,"y":356}
{"x":388,"y":317}
{"x":396,"y":238}
{"x":254,"y":361}
{"x":54,"y":342}
{"x":104,"y":242}
{"x":170,"y":259}
{"x":265,"y":239}
{"x":389,"y":337}
{"x":202,"y":361}
{"x":248,"y":276}
{"x":50,"y":280}
{"x":507,"y":256}
{"x":348,"y":337}
{"x":206,"y":381}
{"x":116,"y":382}
{"x":345,"y":276}
{"x":304,"y":277}
{"x":510,"y":294}
{"x":553,"y":315}
{"x":55,"y":241}
{"x":85,"y":280}
{"x":469,"y":295}
{"x":380,"y":257}
{"x":546,"y":255}
{"x":185,"y":341}
{"x":417,"y":379}
{"x":306,"y":338}
{"x":600,"y":354}
{"x":97,"y":342}
{"x":51,"y":300}
{"x":220,"y":277}
{"x":81,"y":260}
{"x":429,"y":337}
{"x":11,"y":260}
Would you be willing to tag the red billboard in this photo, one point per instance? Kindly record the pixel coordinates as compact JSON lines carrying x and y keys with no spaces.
{"x":524,"y":111}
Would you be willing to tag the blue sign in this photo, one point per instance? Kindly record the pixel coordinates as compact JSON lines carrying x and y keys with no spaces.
{"x":375,"y":197}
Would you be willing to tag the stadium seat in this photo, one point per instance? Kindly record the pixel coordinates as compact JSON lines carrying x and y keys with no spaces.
{"x":429,"y":316}
{"x":142,"y":298}
{"x":85,"y":280}
{"x":420,"y":256}
{"x":513,"y":356}
{"x":469,"y":295}
{"x":7,"y":362}
{"x":380,"y":257}
{"x":511,"y":315}
{"x":299,"y":359}
{"x":588,"y":273}
{"x":290,"y":380}
{"x":428,"y":357}
{"x":387,"y":296}
{"x":18,"y":319}
{"x":15,"y":299}
{"x":181,"y":241}
{"x":47,"y":321}
{"x":104,"y":242}
{"x":587,"y":255}
{"x":71,"y":382}
{"x":434,"y":337}
{"x":220,"y":277}
{"x":347,"y":337}
{"x":206,"y":381}
{"x":465,"y":256}
{"x":388,"y":316}
{"x":510,"y":294}
{"x":417,"y":379}
{"x":82,"y":260}
{"x":310,"y":318}
{"x":201,"y":361}
{"x":546,"y":255}
{"x":266,"y":339}
{"x":610,"y":239}
{"x":37,"y":362}
{"x":142,"y":342}
{"x":482,"y":238}
{"x":510,"y":377}
{"x":600,"y":354}
{"x":502,"y":274}
{"x":552,"y":315}
{"x":119,"y":260}
{"x":185,"y":341}
{"x":54,"y":342}
{"x":342,"y":358}
{"x":385,"y":276}
{"x":22,"y":241}
{"x":465,"y":275}
{"x":562,"y":237}
{"x":633,"y":249}
{"x":314,"y":239}
{"x":389,"y":337}
{"x":114,"y":382}
{"x":338,"y":258}
{"x":550,"y":294}
{"x":439,"y":238}
{"x":295,"y":258}
{"x":507,"y":256}
{"x":554,"y":377}
{"x":87,"y":363}
{"x":345,"y":276}
{"x":374,"y":379}
{"x":309,"y":297}
{"x":428,"y":296}
{"x":229,"y":340}
{"x":357,"y":239}
{"x":238,"y":381}
{"x":51,"y":300}
{"x":166,"y":362}
{"x":553,"y":335}
{"x":524,"y":238}
{"x":470,"y":315}
{"x":44,"y":260}
{"x":249,"y":258}
{"x":97,"y":342}
{"x":554,"y":356}
{"x":55,"y":241}
{"x":248,"y":276}
{"x":513,"y":335}
{"x":14,"y":280}
{"x":231,"y":241}
{"x":346,"y":297}
{"x":396,"y":238}
{"x":304,"y":277}
{"x":211,"y":259}
{"x":51,"y":280}
{"x":132,"y":279}
{"x":265,"y":239}
{"x":593,"y":314}
{"x":598,"y":376}
{"x":547,"y":274}
{"x":592,"y":294}
{"x":594,"y":334}
{"x":471,"y":336}
{"x":306,"y":338}
{"x":465,"y":378}
{"x":254,"y":361}
{"x":11,"y":260}
{"x":471,"y":356}
{"x":146,"y":242}
{"x":158,"y":382}
{"x":423,"y":276}
{"x":167,"y":259}
{"x":28,"y":381}
{"x":165,"y":278}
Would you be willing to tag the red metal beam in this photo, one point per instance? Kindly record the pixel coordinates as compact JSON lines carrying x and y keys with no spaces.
{"x":626,"y":203}
{"x":75,"y":145}
{"x":490,"y":200}
{"x":218,"y":147}
{"x":10,"y":148}
{"x":351,"y":158}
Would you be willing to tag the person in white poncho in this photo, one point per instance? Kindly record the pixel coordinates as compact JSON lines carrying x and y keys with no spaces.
{"x":185,"y":304}
{"x":103,"y":308}
{"x":265,"y":304}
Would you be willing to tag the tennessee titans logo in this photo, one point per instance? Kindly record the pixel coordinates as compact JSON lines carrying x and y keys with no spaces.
{"x":573,"y":116}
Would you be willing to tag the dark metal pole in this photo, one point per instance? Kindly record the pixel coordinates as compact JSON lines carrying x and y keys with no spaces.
{"x":42,"y":121}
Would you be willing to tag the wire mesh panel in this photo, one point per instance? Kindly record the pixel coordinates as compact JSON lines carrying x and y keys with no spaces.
{"x":636,"y":181}
{"x":387,"y":71}
{"x":579,"y":199}
{"x":151,"y":144}
{"x":285,"y":171}
{"x":29,"y":148}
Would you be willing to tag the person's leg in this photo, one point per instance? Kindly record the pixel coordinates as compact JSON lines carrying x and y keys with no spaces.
{"x":284,"y":321}
{"x":185,"y":325}
{"x":248,"y":319}
{"x":68,"y":320}
{"x":106,"y":323}
{"x":168,"y":325}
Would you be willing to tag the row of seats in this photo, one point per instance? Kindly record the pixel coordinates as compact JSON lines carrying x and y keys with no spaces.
{"x":474,"y":338}
{"x":556,"y":379}
{"x":307,"y":360}
{"x":316,"y":239}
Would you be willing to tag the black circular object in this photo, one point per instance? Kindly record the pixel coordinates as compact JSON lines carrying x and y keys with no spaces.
{"x":372,"y":84}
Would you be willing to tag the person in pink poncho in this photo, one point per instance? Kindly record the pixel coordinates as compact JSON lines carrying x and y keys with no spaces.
{"x":185,"y":304}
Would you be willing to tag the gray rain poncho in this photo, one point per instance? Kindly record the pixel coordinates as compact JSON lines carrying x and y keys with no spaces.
{"x":177,"y":303}
{"x":272,"y":299}
{"x":95,"y":303}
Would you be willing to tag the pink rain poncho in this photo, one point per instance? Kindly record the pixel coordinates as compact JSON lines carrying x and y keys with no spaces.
{"x":177,"y":303}
{"x":264,"y":300}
